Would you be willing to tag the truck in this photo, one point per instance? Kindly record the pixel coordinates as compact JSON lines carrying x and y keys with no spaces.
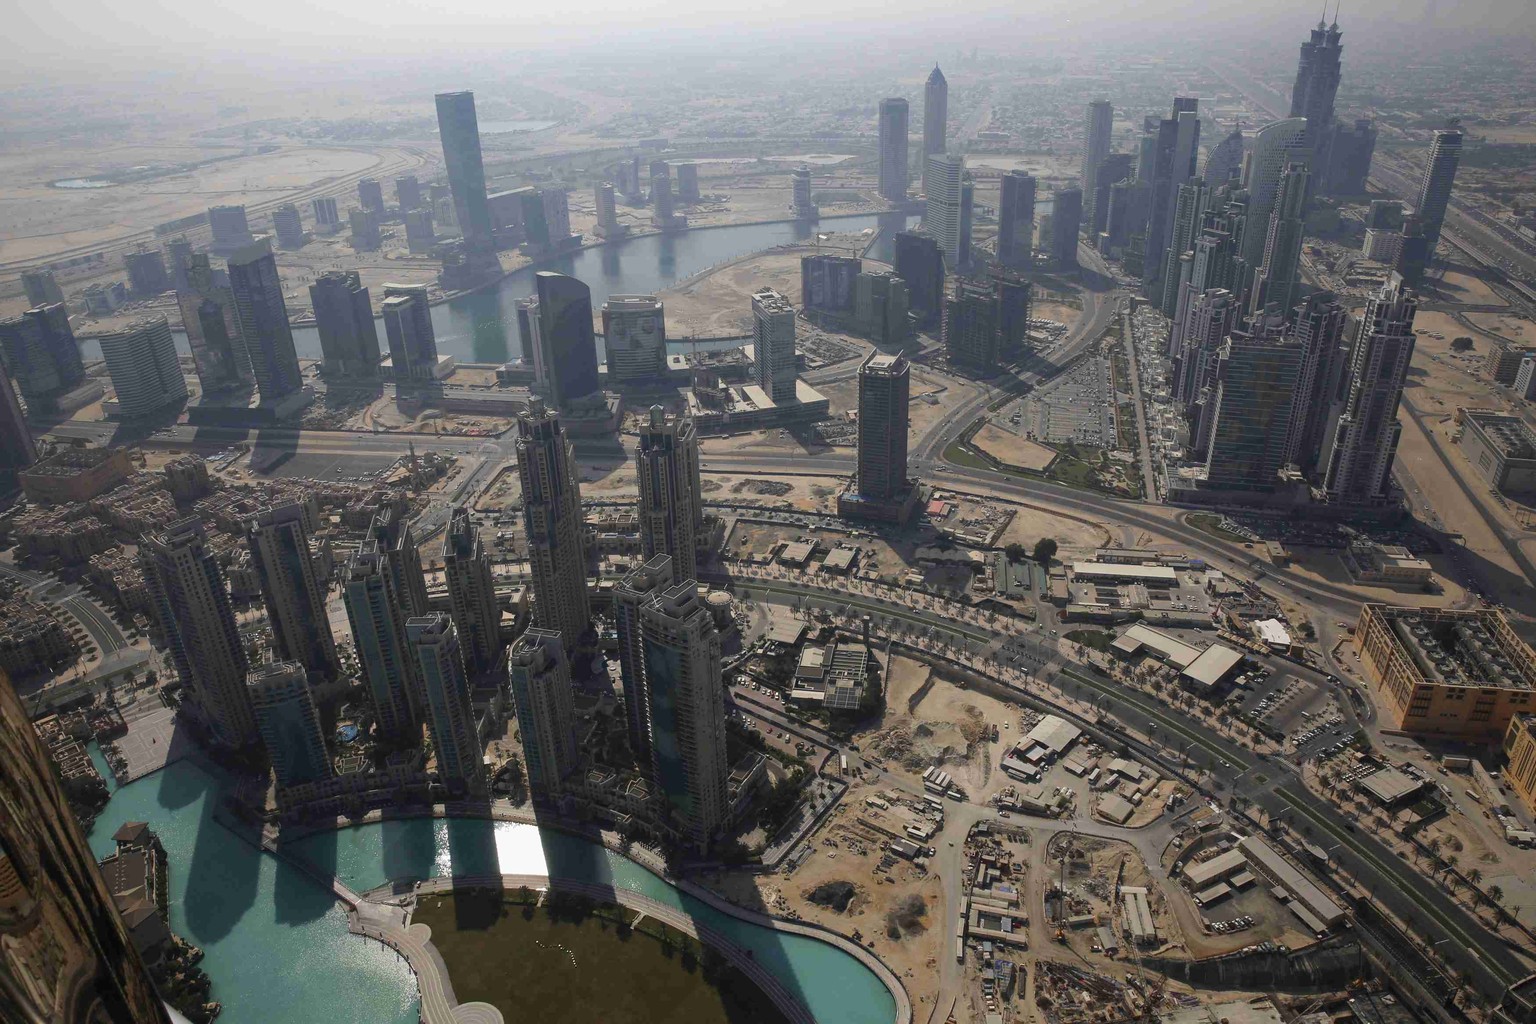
{"x":843,"y":762}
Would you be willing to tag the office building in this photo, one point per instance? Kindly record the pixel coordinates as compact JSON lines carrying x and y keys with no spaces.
{"x":880,"y":307}
{"x":1225,"y":160}
{"x":634,"y":337}
{"x":377,"y":613}
{"x":66,"y":955}
{"x":970,"y":331}
{"x":827,"y":282}
{"x":773,"y":345}
{"x":1520,"y":775}
{"x":945,"y":176}
{"x":967,"y":216}
{"x":1255,"y":381}
{"x":349,"y":337}
{"x":1066,"y":223}
{"x":935,"y":118}
{"x":1501,"y":448}
{"x":41,"y":353}
{"x":1414,"y":252}
{"x":539,"y":677}
{"x":407,"y":314}
{"x":1178,"y":262}
{"x":1349,"y":160}
{"x":397,"y":544}
{"x":1317,"y":83}
{"x":420,"y":232}
{"x":460,"y":133}
{"x":146,"y":272}
{"x":1318,"y":325}
{"x":1171,"y":150}
{"x":1460,"y":675}
{"x":686,"y":710}
{"x":1274,"y":148}
{"x":1279,"y":274}
{"x":552,"y":522}
{"x":632,"y":593}
{"x":1196,"y":342}
{"x":1383,"y":230}
{"x":1016,"y":220}
{"x":408,"y":193}
{"x":289,"y":724}
{"x":884,"y":389}
{"x":1098,"y":125}
{"x":671,"y":500}
{"x":688,"y":183}
{"x":41,"y":288}
{"x":450,"y":712}
{"x":196,"y":620}
{"x":1113,"y":169}
{"x":920,"y":263}
{"x":607,"y":210}
{"x":291,"y":588}
{"x":1438,"y":179}
{"x":145,"y":370}
{"x":17,"y":451}
{"x":661,"y":196}
{"x":212,"y":323}
{"x":327,"y":214}
{"x":366,"y":234}
{"x":1012,"y":292}
{"x":564,"y":350}
{"x":893,"y":150}
{"x":1525,"y":379}
{"x":1125,"y":222}
{"x":231,"y":230}
{"x":800,"y":189}
{"x":1365,"y":442}
{"x":288,"y":226}
{"x":178,"y":257}
{"x":263,"y":319}
{"x":471,"y":584}
{"x":370,"y":194}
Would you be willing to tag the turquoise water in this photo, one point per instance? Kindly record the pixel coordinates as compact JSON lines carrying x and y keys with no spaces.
{"x":277,"y":944}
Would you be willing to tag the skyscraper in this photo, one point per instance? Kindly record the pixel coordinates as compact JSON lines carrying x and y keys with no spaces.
{"x":1012,"y":292}
{"x":540,"y":679}
{"x":893,"y":150}
{"x":197,"y":622}
{"x":288,"y":226}
{"x":1279,"y":275}
{"x":1317,"y":83}
{"x":1275,"y":147}
{"x":635,"y":337}
{"x":1188,"y":215}
{"x":472,"y":596}
{"x":552,"y":522}
{"x":1016,"y":220}
{"x":671,"y":500}
{"x":1318,"y":326}
{"x":1383,"y":227}
{"x":41,"y":288}
{"x":1098,"y":124}
{"x":291,"y":588}
{"x":450,"y":710}
{"x":327,"y":216}
{"x":1437,"y":181}
{"x":212,"y":323}
{"x":263,"y":318}
{"x":1114,"y":168}
{"x":800,"y":190}
{"x":398,"y":546}
{"x":460,"y":133}
{"x":367,"y":235}
{"x":826,"y":282}
{"x":408,"y":326}
{"x":1225,"y":160}
{"x":686,"y":708}
{"x":945,"y":174}
{"x":971,"y":328}
{"x":231,"y":230}
{"x":967,"y":216}
{"x":607,"y":210}
{"x":66,"y":956}
{"x":935,"y":117}
{"x":377,"y":613}
{"x":688,"y":182}
{"x":370,"y":193}
{"x":349,"y":338}
{"x":146,"y":272}
{"x":634,"y":590}
{"x":41,"y":353}
{"x":1365,"y":441}
{"x":289,"y":724}
{"x":408,"y":192}
{"x":17,"y":451}
{"x":1413,"y":252}
{"x":1066,"y":223}
{"x":773,"y":341}
{"x":1174,"y":146}
{"x":884,"y":387}
{"x":564,"y":350}
{"x":145,"y":370}
{"x":420,"y":234}
{"x":880,"y":306}
{"x":1255,"y":382}
{"x":1349,"y":161}
{"x":920,"y":263}
{"x":661,"y":197}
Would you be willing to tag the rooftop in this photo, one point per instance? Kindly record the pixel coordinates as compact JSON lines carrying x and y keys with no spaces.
{"x":1509,"y":434}
{"x":1474,"y":648}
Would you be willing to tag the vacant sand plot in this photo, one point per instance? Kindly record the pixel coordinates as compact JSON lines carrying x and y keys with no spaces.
{"x":1077,"y":536}
{"x":1008,"y":447}
{"x":1506,"y":325}
{"x":1462,"y":284}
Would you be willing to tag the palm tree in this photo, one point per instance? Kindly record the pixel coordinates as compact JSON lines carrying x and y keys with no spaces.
{"x":1475,"y":875}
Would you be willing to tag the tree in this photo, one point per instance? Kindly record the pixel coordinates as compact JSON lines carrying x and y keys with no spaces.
{"x":1462,"y":344}
{"x":1045,"y":550}
{"x":1496,"y":894}
{"x":1016,"y":552}
{"x":1475,"y":875}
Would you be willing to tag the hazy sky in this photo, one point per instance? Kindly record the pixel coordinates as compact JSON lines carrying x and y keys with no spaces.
{"x":66,"y":38}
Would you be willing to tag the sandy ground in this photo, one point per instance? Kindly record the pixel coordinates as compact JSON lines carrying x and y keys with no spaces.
{"x":1506,"y":325}
{"x":1012,"y":449}
{"x":807,"y":493}
{"x":1323,"y":565}
{"x":1076,"y":536}
{"x":1461,"y":284}
{"x":934,"y":396}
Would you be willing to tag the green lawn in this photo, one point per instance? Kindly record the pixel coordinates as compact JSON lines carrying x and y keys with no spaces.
{"x":582,"y":964}
{"x":1095,"y":639}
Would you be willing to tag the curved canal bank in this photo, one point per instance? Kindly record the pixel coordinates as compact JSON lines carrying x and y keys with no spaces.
{"x":258,"y":918}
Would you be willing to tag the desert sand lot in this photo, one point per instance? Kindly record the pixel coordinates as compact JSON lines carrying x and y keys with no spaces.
{"x":1461,"y":284}
{"x":1075,"y":536}
{"x":1505,"y":325}
{"x":1013,"y":450}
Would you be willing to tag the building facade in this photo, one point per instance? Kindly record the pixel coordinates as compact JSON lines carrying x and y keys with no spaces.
{"x":450,"y":711}
{"x":1439,"y":178}
{"x":263,"y":318}
{"x":145,"y":370}
{"x":41,"y":353}
{"x":291,"y":588}
{"x":377,"y":614}
{"x":773,"y":341}
{"x":884,"y":390}
{"x":1365,"y":441}
{"x":289,"y":724}
{"x":671,"y":500}
{"x":935,"y":117}
{"x":634,"y":337}
{"x":408,"y":327}
{"x":552,"y":523}
{"x":459,"y":130}
{"x":349,"y":337}
{"x":893,"y":150}
{"x":945,"y":175}
{"x":540,"y":679}
{"x":564,"y":349}
{"x":472,"y":599}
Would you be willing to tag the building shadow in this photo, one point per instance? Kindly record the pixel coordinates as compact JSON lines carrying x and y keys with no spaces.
{"x":223,"y":873}
{"x":410,"y":848}
{"x":299,"y":896}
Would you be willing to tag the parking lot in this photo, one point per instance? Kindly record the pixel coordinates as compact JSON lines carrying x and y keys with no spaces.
{"x":153,"y":739}
{"x":1078,"y":406}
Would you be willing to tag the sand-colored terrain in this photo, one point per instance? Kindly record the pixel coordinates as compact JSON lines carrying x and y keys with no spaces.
{"x":1077,"y":536}
{"x":1013,"y":450}
{"x":1506,"y":325}
{"x":1461,"y":283}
